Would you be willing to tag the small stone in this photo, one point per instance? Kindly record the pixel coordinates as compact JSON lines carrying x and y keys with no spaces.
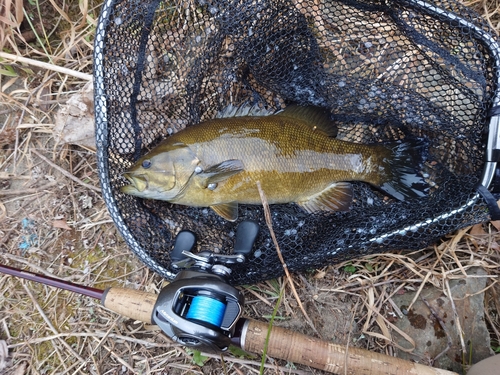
{"x":430,"y":337}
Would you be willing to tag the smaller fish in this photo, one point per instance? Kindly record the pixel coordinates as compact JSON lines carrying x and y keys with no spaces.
{"x":292,"y":154}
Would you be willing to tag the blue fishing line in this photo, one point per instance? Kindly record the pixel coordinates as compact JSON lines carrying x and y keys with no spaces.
{"x":206,"y":309}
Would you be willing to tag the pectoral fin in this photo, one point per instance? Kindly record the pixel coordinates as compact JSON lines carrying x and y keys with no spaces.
{"x":228,"y":211}
{"x":336,"y":197}
{"x":219,"y":172}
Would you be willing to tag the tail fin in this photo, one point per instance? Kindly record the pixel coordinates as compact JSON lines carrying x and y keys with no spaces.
{"x":404,"y":180}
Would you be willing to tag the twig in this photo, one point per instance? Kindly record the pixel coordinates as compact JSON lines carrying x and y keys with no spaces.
{"x":258,"y":296}
{"x":457,"y":318}
{"x":3,"y":211}
{"x":496,"y":300}
{"x":383,"y":323}
{"x":66,"y":173}
{"x":349,"y":336}
{"x":116,"y":356}
{"x":10,"y":176}
{"x":44,"y":65}
{"x":27,"y":191}
{"x":116,"y":337}
{"x":267,"y":214}
{"x":443,"y":326}
{"x":38,"y":269}
{"x":50,"y":325}
{"x":286,"y":370}
{"x":419,"y":290}
{"x":106,"y":335}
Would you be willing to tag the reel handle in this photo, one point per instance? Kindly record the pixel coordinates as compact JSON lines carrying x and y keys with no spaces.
{"x":246,"y":234}
{"x":184,"y":241}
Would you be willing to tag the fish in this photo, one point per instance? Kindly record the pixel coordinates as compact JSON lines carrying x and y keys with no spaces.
{"x":293,"y":154}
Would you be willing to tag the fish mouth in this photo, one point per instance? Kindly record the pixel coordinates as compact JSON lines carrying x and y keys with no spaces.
{"x":138,"y":183}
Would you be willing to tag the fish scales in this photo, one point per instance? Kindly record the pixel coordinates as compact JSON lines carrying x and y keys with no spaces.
{"x":277,"y":152}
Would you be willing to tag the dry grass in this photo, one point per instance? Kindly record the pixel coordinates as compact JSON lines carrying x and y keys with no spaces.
{"x":53,"y":221}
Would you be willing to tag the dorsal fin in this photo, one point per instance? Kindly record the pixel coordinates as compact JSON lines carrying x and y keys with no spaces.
{"x":316,"y":117}
{"x":244,"y":109}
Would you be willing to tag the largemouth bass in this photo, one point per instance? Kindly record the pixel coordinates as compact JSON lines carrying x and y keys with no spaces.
{"x":217,"y":164}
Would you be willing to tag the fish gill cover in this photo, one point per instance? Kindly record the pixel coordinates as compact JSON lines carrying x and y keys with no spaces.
{"x":386,"y":71}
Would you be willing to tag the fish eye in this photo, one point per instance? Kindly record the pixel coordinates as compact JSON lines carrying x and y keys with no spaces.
{"x":146,"y":164}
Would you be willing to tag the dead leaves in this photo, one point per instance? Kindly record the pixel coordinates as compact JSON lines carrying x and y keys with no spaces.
{"x":75,"y":120}
{"x":62,"y":224}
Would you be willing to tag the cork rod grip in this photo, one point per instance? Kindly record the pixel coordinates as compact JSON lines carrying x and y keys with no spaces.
{"x":131,"y":303}
{"x":319,"y":354}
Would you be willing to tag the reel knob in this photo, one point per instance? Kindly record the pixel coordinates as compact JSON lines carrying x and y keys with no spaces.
{"x":246,"y":234}
{"x":182,"y":257}
{"x":184,"y":241}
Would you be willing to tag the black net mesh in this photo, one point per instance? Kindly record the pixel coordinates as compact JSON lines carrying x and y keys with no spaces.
{"x":387,"y":70}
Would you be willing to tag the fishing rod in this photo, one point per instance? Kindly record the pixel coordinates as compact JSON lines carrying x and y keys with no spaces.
{"x":200,"y":309}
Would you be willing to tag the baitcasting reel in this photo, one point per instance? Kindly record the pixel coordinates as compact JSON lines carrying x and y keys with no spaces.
{"x":199,"y":308}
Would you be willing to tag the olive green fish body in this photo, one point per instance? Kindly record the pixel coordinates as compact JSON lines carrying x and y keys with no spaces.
{"x":219,"y":162}
{"x":289,"y":165}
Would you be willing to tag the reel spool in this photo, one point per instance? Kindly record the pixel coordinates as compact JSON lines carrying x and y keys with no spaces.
{"x":207,"y":308}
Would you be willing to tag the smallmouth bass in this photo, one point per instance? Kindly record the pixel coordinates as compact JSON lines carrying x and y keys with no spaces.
{"x":217,"y":164}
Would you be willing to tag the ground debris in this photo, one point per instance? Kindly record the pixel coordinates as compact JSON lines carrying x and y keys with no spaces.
{"x":432,"y":322}
{"x":75,"y":120}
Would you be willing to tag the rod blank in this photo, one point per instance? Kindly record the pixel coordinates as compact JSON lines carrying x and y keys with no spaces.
{"x":51,"y":281}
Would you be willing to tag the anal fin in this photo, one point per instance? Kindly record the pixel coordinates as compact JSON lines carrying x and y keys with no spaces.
{"x":228,"y":211}
{"x":336,"y":197}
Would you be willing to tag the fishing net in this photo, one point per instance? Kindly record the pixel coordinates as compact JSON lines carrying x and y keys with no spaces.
{"x":386,"y":70}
